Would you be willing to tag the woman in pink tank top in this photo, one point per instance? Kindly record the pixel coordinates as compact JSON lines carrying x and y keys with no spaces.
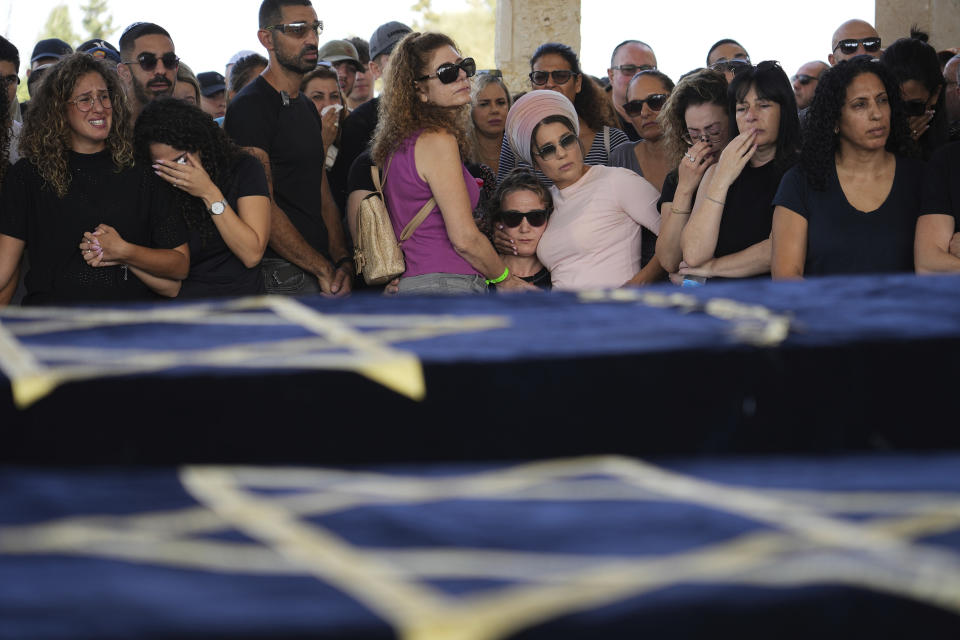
{"x":420,"y":141}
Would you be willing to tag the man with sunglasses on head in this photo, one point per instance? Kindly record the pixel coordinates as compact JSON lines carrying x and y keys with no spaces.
{"x":629,"y":57}
{"x":854,"y":38}
{"x":271,"y":119}
{"x":148,"y":64}
{"x":805,"y":80}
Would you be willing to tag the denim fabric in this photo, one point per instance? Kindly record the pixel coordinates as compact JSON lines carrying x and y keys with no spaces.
{"x":442,"y":284}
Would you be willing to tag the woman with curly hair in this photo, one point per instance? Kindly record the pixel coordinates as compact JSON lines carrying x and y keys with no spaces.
{"x":221,"y":193}
{"x":77,"y":182}
{"x":555,"y":67}
{"x":491,"y":102}
{"x":420,"y":141}
{"x":851,"y":204}
{"x":728,"y":234}
{"x":696,"y":129}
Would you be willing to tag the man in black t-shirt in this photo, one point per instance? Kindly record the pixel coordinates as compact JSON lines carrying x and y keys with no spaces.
{"x":272,"y":120}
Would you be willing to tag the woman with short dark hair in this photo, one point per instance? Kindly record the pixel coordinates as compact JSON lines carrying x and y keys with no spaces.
{"x":851,"y":204}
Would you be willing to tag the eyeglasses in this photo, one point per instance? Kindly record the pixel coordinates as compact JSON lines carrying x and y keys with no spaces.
{"x":655,"y":101}
{"x":561,"y":76}
{"x":536,"y":218}
{"x":803,"y":79}
{"x":632,"y":69}
{"x":849,"y":46}
{"x":735,"y":65}
{"x":713,"y":132}
{"x":11,"y":79}
{"x":915,"y":107}
{"x":298,"y":29}
{"x":449,"y":71}
{"x":85,"y":102}
{"x":549,"y":150}
{"x":148,"y":61}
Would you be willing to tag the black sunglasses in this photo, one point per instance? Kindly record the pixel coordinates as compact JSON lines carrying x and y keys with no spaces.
{"x":298,"y":29}
{"x":561,"y":76}
{"x":632,"y":69}
{"x":803,"y":79}
{"x":11,"y":79}
{"x":449,"y":72}
{"x":655,"y":101}
{"x":148,"y":61}
{"x":914,"y":107}
{"x":735,"y":64}
{"x":850,"y":45}
{"x":549,"y":150}
{"x":536,"y":218}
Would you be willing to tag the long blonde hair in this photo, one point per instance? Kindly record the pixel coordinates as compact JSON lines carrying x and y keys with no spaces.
{"x":402,"y":113}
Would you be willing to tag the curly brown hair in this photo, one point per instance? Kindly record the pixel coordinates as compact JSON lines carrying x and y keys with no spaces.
{"x":703,"y":86}
{"x":401,"y":111}
{"x":46,"y":139}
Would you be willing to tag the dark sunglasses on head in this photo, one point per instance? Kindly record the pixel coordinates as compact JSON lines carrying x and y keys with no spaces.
{"x":148,"y":61}
{"x":632,"y":69}
{"x":298,"y":29}
{"x":914,"y":107}
{"x":561,"y":76}
{"x":536,"y":218}
{"x":850,"y":45}
{"x":548,"y":150}
{"x":449,"y":72}
{"x":803,"y":79}
{"x":655,"y":101}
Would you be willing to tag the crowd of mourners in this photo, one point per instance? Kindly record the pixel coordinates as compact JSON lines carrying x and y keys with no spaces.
{"x":126,"y":176}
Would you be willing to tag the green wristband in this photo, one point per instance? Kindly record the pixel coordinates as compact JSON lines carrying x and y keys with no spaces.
{"x":503,"y":276}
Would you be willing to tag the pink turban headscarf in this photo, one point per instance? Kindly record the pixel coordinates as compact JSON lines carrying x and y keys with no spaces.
{"x":527,"y":112}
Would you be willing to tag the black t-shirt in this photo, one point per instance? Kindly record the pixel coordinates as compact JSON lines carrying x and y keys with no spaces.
{"x":354,"y":139}
{"x":669,"y":190}
{"x":748,"y":212}
{"x":842,"y":239}
{"x":941,"y":184}
{"x":214,"y":269}
{"x":292,"y":137}
{"x":132,"y":201}
{"x":360,"y":178}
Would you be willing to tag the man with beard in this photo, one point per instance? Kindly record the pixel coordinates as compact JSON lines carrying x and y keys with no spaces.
{"x":148,"y":64}
{"x":272,"y":120}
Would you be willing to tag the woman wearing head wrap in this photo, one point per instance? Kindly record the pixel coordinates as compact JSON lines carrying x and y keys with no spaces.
{"x":593,"y":239}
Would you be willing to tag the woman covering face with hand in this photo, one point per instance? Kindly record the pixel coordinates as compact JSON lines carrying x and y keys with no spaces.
{"x":221,"y":194}
{"x":729,"y":229}
{"x":77,"y":185}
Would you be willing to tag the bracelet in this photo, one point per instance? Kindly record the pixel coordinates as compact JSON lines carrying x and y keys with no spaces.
{"x":503,"y":276}
{"x":715,"y":200}
{"x":341,"y":261}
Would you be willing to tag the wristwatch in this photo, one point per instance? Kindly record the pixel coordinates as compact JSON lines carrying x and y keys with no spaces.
{"x":218,"y":207}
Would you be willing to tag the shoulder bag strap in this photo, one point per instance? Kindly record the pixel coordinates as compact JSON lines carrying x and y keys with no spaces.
{"x":417,"y":219}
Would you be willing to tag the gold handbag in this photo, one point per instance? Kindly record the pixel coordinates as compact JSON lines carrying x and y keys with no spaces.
{"x":378,"y":254}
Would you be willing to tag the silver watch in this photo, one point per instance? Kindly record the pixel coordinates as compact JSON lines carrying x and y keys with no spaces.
{"x":218,"y":207}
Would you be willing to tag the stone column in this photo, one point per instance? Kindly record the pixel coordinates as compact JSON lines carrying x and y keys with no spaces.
{"x":523,"y":25}
{"x":939,"y":18}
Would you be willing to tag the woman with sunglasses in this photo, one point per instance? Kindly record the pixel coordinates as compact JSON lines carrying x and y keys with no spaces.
{"x":593,"y":239}
{"x":915,"y":65}
{"x":555,"y":67}
{"x":221,"y":194}
{"x":696,"y":129}
{"x":77,"y":184}
{"x":851,"y":204}
{"x":521,"y":207}
{"x":491,"y":102}
{"x":419,"y":144}
{"x":728,"y":233}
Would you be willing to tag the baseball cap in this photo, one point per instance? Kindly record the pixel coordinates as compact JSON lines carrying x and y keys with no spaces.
{"x":211,"y":82}
{"x":100,"y":49}
{"x":386,"y":37}
{"x":336,"y":51}
{"x":50,"y":48}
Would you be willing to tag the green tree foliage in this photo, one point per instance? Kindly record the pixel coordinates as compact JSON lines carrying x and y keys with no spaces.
{"x":472,"y":28}
{"x":59,"y":26}
{"x":98,"y":25}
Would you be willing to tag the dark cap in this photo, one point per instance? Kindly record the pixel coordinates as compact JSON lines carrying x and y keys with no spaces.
{"x":211,"y":82}
{"x":100,"y":49}
{"x":50,"y":48}
{"x":336,"y":51}
{"x":386,"y":37}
